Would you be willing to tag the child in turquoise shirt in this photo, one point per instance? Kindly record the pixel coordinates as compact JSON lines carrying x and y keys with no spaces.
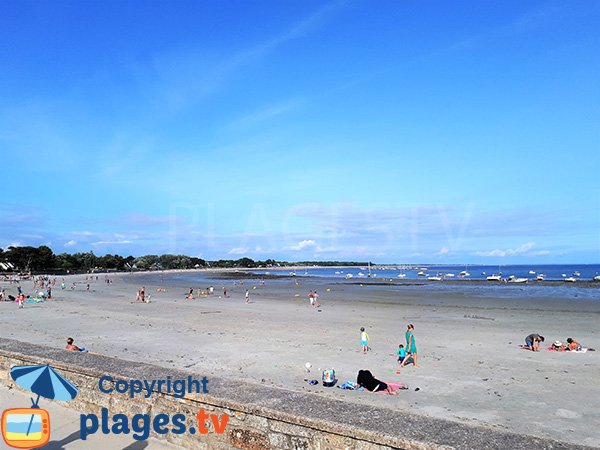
{"x":401,"y":353}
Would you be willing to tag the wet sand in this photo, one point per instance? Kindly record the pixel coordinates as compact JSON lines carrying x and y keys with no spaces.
{"x":471,"y":368}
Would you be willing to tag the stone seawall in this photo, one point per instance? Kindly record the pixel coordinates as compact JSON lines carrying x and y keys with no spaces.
{"x":261,"y":417}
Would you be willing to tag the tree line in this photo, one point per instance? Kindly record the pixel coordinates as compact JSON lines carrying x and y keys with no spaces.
{"x":42,"y":259}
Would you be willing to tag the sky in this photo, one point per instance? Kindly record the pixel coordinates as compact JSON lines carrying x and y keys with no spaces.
{"x":393,"y":131}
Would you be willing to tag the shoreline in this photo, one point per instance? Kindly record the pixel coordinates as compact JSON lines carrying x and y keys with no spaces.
{"x":472,"y":369}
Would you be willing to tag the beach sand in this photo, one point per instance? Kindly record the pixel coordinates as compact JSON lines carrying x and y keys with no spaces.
{"x":472,"y":370}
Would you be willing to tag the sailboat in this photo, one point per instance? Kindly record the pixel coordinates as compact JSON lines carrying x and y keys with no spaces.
{"x":496,"y":276}
{"x":464,"y":273}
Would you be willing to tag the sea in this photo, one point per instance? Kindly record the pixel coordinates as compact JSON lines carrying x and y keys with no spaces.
{"x":551,"y":272}
{"x":583,"y":288}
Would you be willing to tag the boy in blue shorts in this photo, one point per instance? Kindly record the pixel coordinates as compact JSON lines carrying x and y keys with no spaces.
{"x":401,"y":353}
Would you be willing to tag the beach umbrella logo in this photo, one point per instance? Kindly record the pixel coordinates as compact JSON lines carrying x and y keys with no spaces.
{"x":30,"y":427}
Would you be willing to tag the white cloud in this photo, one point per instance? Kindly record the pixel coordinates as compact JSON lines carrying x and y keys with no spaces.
{"x":112,"y":242}
{"x":238,"y":251}
{"x":307,"y":243}
{"x":71,"y":243}
{"x":524,"y":249}
{"x":443,"y":251}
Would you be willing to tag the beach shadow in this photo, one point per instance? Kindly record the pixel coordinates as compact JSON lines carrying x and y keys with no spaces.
{"x":75,"y":436}
{"x":60,"y":445}
{"x":138,"y":445}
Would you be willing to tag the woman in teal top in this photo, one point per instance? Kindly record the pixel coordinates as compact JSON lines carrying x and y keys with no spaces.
{"x":411,"y":346}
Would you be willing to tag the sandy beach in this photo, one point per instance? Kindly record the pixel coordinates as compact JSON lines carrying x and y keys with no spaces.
{"x":472,"y":370}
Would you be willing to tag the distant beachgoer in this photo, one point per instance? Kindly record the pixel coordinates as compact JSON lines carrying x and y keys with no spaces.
{"x":247,"y":296}
{"x":62,"y":285}
{"x":401,"y":353}
{"x":88,"y":287}
{"x":224,"y":291}
{"x":364,"y":340}
{"x":533,"y":341}
{"x":573,"y":345}
{"x":316,"y":299}
{"x":49,"y":292}
{"x":71,"y":346}
{"x":190,"y":295}
{"x":557,"y":346}
{"x":411,"y":346}
{"x":2,"y":295}
{"x":143,"y":294}
{"x":20,"y":299}
{"x":366,"y":379}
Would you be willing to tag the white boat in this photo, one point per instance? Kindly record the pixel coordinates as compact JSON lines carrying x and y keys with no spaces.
{"x":401,"y":275}
{"x":532,"y":272}
{"x":494,"y":277}
{"x":293,"y":274}
{"x":348,"y":275}
{"x":518,"y":280}
{"x":337,"y":272}
{"x":564,"y":275}
{"x":360,"y":274}
{"x":570,"y":280}
{"x":449,"y":275}
{"x":436,"y":278}
{"x":597,"y":278}
{"x":540,"y":277}
{"x":576,"y":274}
{"x":421,"y":274}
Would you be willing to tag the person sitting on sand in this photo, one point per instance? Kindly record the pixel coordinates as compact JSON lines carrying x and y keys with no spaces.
{"x":533,"y":341}
{"x":366,"y":379}
{"x":573,"y":345}
{"x":71,"y":346}
{"x":557,"y":346}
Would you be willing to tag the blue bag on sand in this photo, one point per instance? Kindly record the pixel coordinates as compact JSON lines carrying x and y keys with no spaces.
{"x":349,"y":386}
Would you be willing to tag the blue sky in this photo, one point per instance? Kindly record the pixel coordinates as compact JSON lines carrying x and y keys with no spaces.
{"x":395,"y":131}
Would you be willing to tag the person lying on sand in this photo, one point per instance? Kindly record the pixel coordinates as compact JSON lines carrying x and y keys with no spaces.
{"x":532,"y":342}
{"x":573,"y":345}
{"x":557,"y":346}
{"x":366,"y":379}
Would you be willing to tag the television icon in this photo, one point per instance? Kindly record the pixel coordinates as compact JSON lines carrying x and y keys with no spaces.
{"x":25,"y":427}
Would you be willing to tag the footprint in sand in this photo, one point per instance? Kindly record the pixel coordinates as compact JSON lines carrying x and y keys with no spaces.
{"x":567,"y":414}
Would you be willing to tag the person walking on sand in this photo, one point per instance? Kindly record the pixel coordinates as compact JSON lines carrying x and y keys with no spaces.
{"x":411,"y":346}
{"x":20,"y":299}
{"x":364,"y":340}
{"x":315,"y":300}
{"x":247,"y":296}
